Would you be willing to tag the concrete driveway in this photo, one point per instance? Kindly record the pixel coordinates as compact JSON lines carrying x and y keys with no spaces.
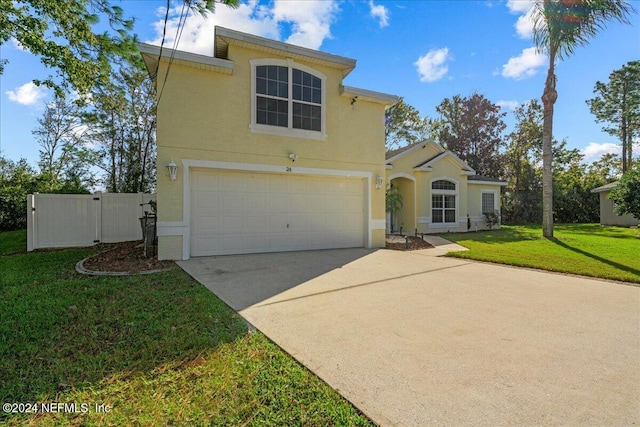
{"x":412,"y":339}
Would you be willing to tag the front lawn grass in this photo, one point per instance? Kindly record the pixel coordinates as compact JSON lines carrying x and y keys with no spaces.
{"x":154,"y":349}
{"x":13,"y":242}
{"x":585,"y":249}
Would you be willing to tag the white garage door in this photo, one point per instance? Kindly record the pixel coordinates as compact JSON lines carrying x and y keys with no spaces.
{"x":239,"y":212}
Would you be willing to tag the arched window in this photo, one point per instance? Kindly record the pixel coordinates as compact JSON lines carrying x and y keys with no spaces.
{"x":288,"y":98}
{"x":443,"y":184}
{"x":443,"y":202}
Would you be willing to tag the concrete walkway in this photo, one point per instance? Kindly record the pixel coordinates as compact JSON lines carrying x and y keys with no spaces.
{"x":412,"y":339}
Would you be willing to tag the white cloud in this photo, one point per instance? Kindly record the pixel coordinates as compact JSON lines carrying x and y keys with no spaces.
{"x":18,"y":45}
{"x":310,"y":20}
{"x":432,"y":66}
{"x":380,"y":12}
{"x":309,"y":23}
{"x":519,"y":6}
{"x":27,"y":94}
{"x":524,"y":24}
{"x":594,"y":150}
{"x":509,"y":105}
{"x":525,"y":65}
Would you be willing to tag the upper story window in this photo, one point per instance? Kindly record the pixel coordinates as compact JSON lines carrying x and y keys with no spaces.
{"x":287,"y":99}
{"x":443,"y":185}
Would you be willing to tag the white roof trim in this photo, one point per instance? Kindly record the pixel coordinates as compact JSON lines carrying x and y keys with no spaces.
{"x":447,"y":153}
{"x":607,"y":187}
{"x":369,"y":95}
{"x":500,"y":183}
{"x":150,"y":54}
{"x":421,"y":144}
{"x":225,"y":36}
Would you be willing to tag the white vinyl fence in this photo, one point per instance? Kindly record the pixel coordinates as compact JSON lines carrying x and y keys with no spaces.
{"x":65,"y":220}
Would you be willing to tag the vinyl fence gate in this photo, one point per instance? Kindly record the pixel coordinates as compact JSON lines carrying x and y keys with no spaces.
{"x":66,"y":220}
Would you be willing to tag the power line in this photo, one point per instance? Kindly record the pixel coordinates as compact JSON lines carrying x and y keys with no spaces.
{"x":164,"y":33}
{"x":176,"y":41}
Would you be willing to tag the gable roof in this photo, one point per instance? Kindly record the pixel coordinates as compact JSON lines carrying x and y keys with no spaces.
{"x":426,"y":164}
{"x":225,"y":37}
{"x":151,"y":56}
{"x":606,"y":187}
{"x":394,"y":155}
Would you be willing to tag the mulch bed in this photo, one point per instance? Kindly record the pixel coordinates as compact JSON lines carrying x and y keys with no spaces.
{"x":128,"y":257}
{"x":414,"y":244}
{"x":125,"y":257}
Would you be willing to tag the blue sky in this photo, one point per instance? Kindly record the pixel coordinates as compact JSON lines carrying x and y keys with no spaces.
{"x":424,"y":51}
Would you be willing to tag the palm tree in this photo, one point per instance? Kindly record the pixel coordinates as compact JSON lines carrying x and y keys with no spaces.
{"x":559,"y":27}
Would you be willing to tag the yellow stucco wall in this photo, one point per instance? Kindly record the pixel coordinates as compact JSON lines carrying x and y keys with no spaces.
{"x":204,"y":115}
{"x":468,"y":197}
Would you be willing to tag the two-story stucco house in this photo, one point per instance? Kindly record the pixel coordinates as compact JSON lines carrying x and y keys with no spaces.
{"x":273,"y":152}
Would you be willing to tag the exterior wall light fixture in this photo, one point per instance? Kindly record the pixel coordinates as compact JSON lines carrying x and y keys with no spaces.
{"x":379,"y":182}
{"x":173,"y":170}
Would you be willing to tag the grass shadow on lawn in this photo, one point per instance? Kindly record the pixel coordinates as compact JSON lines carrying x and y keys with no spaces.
{"x":158,"y":349}
{"x":596,"y":257}
{"x":62,"y":330}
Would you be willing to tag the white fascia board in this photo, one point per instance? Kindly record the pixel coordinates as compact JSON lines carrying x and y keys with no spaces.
{"x":421,"y":144}
{"x":369,"y":95}
{"x":228,"y":35}
{"x":188,"y":58}
{"x":428,"y":166}
{"x":500,"y":183}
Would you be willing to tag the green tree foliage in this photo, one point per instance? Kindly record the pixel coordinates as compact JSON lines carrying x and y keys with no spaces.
{"x":626,"y":195}
{"x":403,"y":125}
{"x":617,"y":103}
{"x":17,"y":179}
{"x":573,"y":180}
{"x":122,"y":127}
{"x":64,"y":158}
{"x":393,"y":202}
{"x":472,"y":127}
{"x":65,"y":35}
{"x":522,"y":200}
{"x":573,"y":201}
{"x":560,"y":26}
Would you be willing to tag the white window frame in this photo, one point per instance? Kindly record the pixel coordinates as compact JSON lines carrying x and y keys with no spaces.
{"x":433,"y":192}
{"x":495,"y":199}
{"x":288,"y":131}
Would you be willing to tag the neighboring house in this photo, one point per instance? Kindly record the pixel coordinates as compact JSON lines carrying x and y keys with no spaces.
{"x":607,"y":214}
{"x":441,"y":193}
{"x":273,"y":152}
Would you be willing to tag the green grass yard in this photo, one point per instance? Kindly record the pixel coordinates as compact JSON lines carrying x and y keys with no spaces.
{"x":584,"y":249}
{"x":155,"y":350}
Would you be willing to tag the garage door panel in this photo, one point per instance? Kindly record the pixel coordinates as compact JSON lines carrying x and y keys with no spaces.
{"x":254,"y":202}
{"x":297,"y":222}
{"x":234,"y":182}
{"x":276,"y":183}
{"x":277,"y":203}
{"x":298,"y":203}
{"x":255,"y":223}
{"x":298,"y":185}
{"x":276,"y":223}
{"x":232,"y":224}
{"x":206,"y":203}
{"x":231,"y":203}
{"x":237,"y":212}
{"x":203,"y":224}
